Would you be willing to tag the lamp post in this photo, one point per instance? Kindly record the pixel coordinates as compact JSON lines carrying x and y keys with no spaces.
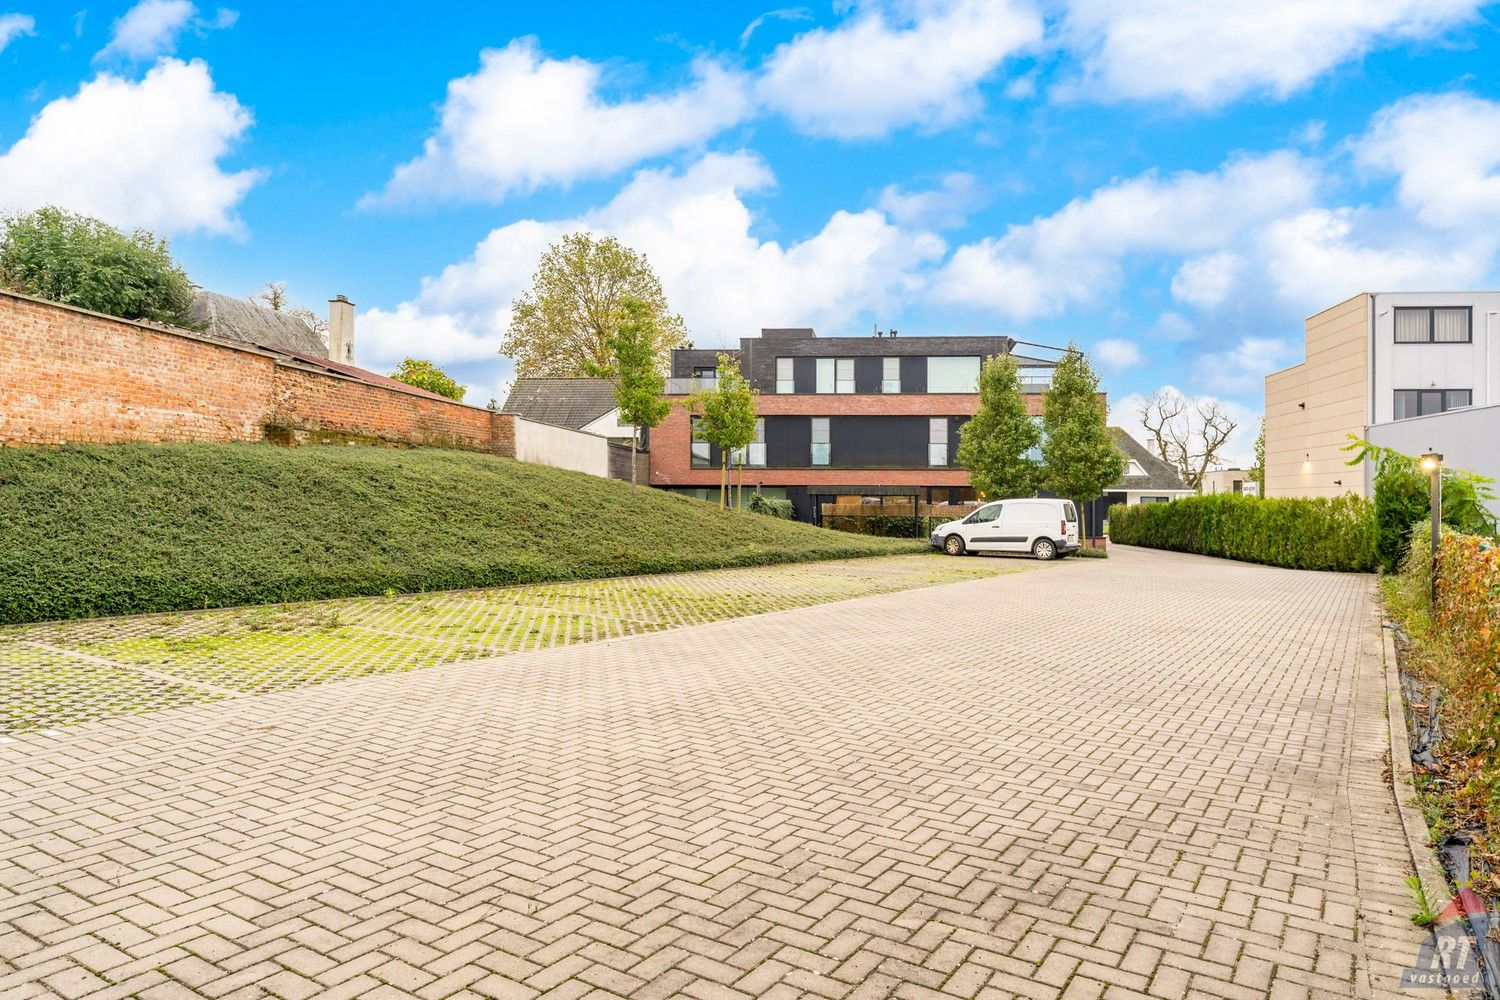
{"x":1432,"y":464}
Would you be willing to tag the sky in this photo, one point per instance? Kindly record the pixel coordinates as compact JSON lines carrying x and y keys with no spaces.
{"x":1171,"y":186}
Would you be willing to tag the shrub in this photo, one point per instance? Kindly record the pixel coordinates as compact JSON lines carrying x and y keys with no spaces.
{"x":1321,"y":533}
{"x":1455,"y":646}
{"x":772,"y":506}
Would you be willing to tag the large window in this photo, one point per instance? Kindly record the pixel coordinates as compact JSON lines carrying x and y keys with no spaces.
{"x":700,"y":449}
{"x":785,"y":382}
{"x":1452,"y":325}
{"x":708,"y":376}
{"x":937,"y":441}
{"x":754,"y":454}
{"x":890,"y":375}
{"x":820,"y":445}
{"x":843,"y":369}
{"x":1421,"y":402}
{"x":952,"y":374}
{"x":825,"y":375}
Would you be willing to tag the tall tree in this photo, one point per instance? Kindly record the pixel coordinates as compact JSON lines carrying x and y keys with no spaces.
{"x":562,"y":324}
{"x":85,"y":262}
{"x":994,"y":444}
{"x":426,"y":375}
{"x":639,"y":382}
{"x":1079,"y":458}
{"x":726,"y":417}
{"x":1188,"y":434}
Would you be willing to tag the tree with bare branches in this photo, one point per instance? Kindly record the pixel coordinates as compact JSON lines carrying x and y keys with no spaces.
{"x":1188,"y":434}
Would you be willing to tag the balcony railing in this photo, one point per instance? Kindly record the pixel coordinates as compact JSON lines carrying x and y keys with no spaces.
{"x":688,"y":386}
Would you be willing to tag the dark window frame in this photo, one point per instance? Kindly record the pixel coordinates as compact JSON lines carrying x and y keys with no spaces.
{"x":1431,"y":312}
{"x":1443,"y":404}
{"x":694,"y":460}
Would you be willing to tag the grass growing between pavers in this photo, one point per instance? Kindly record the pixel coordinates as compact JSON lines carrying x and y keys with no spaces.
{"x":62,"y":673}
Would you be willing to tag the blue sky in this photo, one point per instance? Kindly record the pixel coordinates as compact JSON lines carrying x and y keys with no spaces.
{"x":1171,"y":185}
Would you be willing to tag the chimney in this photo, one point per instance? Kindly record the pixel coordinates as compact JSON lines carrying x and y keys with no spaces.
{"x":341,"y":330}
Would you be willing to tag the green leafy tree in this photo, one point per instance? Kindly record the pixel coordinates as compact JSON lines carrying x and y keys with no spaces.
{"x":994,"y":445}
{"x":1258,"y":470}
{"x":426,"y":375}
{"x":85,"y":262}
{"x":726,"y":418}
{"x":635,"y":368}
{"x":562,"y":324}
{"x":1079,"y":458}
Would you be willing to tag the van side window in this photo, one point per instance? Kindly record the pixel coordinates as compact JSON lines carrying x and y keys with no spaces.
{"x":985,"y":514}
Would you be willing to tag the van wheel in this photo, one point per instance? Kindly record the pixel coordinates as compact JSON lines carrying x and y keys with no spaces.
{"x":1044,"y":549}
{"x":953,"y":545}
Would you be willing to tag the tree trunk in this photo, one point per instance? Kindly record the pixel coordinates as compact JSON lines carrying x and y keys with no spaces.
{"x":635,"y":432}
{"x":739,"y":489}
{"x":724,"y":481}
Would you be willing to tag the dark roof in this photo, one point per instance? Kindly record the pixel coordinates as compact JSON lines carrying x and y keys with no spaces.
{"x":566,"y":402}
{"x":241,"y":321}
{"x":1159,"y":475}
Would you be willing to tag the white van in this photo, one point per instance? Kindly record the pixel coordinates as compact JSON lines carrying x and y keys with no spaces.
{"x":1047,"y":528}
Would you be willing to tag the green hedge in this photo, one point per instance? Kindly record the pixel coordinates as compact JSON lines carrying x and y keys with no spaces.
{"x":1319,"y":533}
{"x":772,"y":506}
{"x":116,"y":529}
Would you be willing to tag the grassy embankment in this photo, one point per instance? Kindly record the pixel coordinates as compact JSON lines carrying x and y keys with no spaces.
{"x":106,"y":530}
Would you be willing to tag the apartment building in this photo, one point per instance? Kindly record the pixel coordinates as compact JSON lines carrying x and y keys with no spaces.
{"x":842,"y":417}
{"x":1415,"y":371}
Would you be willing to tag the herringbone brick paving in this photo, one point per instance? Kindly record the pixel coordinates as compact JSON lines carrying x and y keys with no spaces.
{"x":1154,"y":776}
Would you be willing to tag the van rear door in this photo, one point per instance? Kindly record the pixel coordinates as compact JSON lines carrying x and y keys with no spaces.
{"x":1070,"y":520}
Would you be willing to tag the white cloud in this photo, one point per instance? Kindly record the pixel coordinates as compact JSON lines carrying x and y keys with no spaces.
{"x":523,"y":120}
{"x":1117,"y":354}
{"x":1242,"y":369}
{"x":148,"y":29}
{"x":1207,"y":281}
{"x":1446,"y":150}
{"x":13,"y":26}
{"x":1319,"y":257}
{"x":1075,"y":255}
{"x":781,"y":14}
{"x":881,"y":70}
{"x":1210,"y":53}
{"x":946,"y":206}
{"x":135,"y":153}
{"x":695,"y":229}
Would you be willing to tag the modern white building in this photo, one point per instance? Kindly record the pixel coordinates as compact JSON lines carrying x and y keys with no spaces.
{"x":1415,"y":371}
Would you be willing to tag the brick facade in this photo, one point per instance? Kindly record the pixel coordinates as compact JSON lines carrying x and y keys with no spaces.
{"x":671,"y":440}
{"x":68,"y":376}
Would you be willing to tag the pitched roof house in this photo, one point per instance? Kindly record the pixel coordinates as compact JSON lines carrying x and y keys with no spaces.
{"x":241,"y":321}
{"x":582,"y":404}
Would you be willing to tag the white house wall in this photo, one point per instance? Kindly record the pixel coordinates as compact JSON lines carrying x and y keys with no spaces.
{"x":561,"y":447}
{"x":607,"y":426}
{"x":1474,"y":366}
{"x":1467,"y":439}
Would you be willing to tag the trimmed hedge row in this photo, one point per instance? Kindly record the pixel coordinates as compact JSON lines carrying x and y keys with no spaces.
{"x":772,"y":506}
{"x":117,"y":529}
{"x":1320,"y":533}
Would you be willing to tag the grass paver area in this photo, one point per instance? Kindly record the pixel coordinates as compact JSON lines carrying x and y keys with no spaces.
{"x":60,"y":673}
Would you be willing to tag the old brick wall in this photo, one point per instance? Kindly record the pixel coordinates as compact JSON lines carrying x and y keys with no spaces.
{"x":327,"y":407}
{"x":71,"y":376}
{"x":67,"y":375}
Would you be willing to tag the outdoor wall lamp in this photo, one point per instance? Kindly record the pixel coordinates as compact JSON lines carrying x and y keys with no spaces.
{"x":1301,"y":406}
{"x":1432,"y":464}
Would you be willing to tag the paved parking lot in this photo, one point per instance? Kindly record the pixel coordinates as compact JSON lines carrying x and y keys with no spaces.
{"x":1158,"y":775}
